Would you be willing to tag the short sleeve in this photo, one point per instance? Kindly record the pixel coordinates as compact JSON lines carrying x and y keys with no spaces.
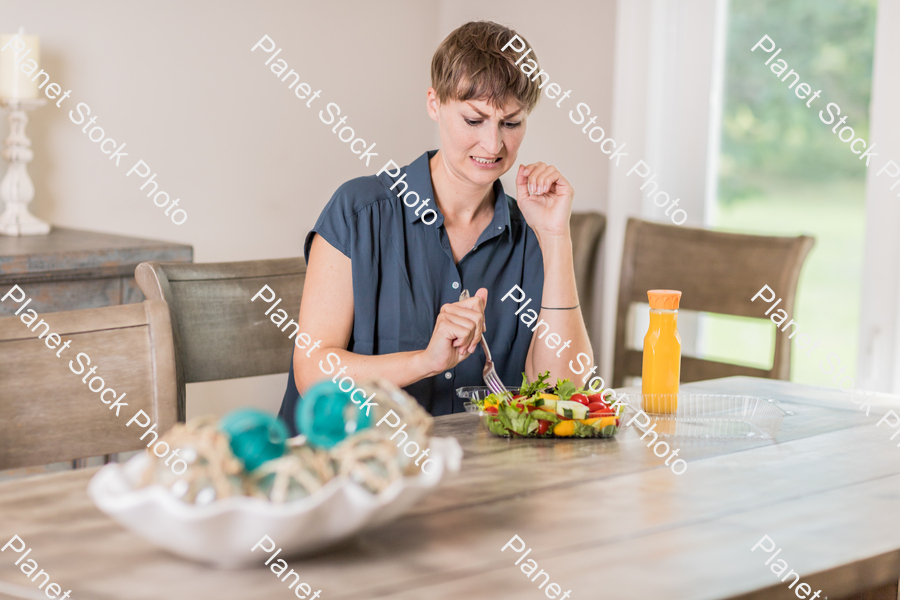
{"x":335,"y":223}
{"x":338,"y":221}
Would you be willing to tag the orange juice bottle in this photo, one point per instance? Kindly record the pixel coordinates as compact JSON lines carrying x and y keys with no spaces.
{"x":662,"y":353}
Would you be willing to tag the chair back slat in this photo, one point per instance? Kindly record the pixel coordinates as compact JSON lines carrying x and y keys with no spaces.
{"x":716,"y":272}
{"x":587,"y":230}
{"x":219,"y":333}
{"x":48,"y":414}
{"x":696,"y":369}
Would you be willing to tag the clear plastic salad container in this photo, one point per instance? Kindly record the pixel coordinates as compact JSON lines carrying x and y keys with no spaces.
{"x":509,"y":422}
{"x":707,"y":415}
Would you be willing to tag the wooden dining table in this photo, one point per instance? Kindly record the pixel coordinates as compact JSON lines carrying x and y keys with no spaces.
{"x":605,"y":518}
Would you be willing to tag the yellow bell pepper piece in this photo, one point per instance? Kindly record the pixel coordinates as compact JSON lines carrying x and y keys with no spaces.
{"x":549,"y":396}
{"x":600,"y":422}
{"x":564,"y":428}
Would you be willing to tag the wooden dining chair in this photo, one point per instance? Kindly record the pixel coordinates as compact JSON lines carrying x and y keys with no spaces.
{"x":218,"y":332}
{"x":49,"y":414}
{"x":587,"y":230}
{"x":716,"y":272}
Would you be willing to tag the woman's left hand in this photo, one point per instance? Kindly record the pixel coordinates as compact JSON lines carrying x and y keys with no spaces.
{"x":545,"y":199}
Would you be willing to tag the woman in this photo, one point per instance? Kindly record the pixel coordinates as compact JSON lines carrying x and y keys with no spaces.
{"x":383,"y":286}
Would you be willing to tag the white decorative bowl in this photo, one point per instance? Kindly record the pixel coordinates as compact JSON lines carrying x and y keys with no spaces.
{"x":222,"y":533}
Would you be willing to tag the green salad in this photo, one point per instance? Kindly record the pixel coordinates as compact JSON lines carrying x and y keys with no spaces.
{"x":540,"y":410}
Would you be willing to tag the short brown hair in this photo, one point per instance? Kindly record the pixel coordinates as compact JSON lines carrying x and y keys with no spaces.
{"x":470,"y":65}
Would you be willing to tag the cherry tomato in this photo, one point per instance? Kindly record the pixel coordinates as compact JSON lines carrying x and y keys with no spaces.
{"x":543,"y":426}
{"x":595,"y":406}
{"x":580,"y":398}
{"x":594,"y":398}
{"x":517,"y":396}
{"x":491,"y":410}
{"x":531,"y":407}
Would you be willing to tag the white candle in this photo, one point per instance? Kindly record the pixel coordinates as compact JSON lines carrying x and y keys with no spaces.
{"x":19,"y":54}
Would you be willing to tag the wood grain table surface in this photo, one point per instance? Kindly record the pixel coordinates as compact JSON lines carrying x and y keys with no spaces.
{"x":605,"y":518}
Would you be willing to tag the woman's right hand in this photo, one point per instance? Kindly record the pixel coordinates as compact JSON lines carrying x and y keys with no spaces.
{"x":457,"y":332}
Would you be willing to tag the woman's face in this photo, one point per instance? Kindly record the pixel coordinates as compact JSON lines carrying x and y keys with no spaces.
{"x":478,"y":141}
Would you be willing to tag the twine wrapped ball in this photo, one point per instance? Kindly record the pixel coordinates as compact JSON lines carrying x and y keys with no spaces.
{"x":370,"y":457}
{"x":301,"y":472}
{"x":212,"y":473}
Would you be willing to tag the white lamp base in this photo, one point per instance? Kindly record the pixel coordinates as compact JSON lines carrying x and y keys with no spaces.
{"x":16,"y":189}
{"x":16,"y":220}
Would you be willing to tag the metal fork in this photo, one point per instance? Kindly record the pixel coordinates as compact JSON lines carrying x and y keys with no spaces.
{"x":489,"y":373}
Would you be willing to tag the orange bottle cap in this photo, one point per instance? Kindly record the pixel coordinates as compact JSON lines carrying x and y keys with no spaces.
{"x":664,"y":299}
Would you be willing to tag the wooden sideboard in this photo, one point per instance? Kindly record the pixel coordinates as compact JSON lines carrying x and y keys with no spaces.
{"x":70,"y":269}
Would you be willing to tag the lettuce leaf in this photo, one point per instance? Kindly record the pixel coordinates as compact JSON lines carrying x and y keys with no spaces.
{"x":529,"y":389}
{"x":516,"y":421}
{"x":565,"y":389}
{"x":582,"y":430}
{"x":496,"y":427}
{"x":608,"y":431}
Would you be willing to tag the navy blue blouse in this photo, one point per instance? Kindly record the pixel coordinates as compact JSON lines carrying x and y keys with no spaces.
{"x":403,"y":272}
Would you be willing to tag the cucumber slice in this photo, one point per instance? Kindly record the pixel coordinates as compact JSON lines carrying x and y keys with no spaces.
{"x":545,"y":415}
{"x":571,"y":410}
{"x":548,"y":404}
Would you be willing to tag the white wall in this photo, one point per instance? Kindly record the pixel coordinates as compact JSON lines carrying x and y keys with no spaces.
{"x":252,"y":165}
{"x":178,"y":83}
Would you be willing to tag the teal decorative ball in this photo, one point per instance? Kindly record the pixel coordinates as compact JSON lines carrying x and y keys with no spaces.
{"x":327,"y":415}
{"x":256,"y":436}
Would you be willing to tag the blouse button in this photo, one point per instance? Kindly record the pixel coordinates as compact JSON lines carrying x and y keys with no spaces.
{"x":455,"y":286}
{"x":448,"y":375}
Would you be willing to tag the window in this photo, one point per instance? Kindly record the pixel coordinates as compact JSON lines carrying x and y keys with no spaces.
{"x":782,"y":171}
